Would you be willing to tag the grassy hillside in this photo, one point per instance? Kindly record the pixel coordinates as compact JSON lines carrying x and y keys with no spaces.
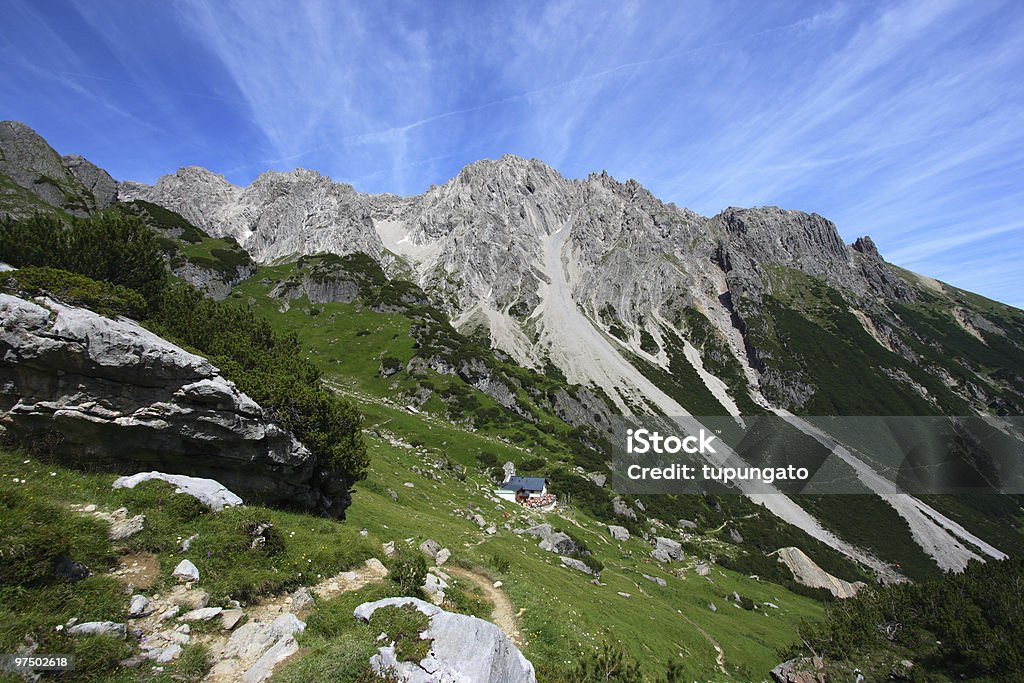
{"x":562,"y":612}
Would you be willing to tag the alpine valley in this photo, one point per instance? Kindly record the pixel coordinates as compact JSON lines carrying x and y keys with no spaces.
{"x":506,"y":316}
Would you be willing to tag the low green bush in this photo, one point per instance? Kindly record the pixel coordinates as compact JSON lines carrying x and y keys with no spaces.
{"x":967,"y":626}
{"x":74,"y":289}
{"x":408,"y":569}
{"x":112,"y":246}
{"x":270,"y":368}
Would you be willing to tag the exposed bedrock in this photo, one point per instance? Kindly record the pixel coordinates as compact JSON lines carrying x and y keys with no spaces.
{"x":97,"y":390}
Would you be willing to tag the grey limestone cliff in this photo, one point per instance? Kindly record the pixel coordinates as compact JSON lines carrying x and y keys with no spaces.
{"x":94,"y":389}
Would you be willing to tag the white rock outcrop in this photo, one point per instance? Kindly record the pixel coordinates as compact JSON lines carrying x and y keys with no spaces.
{"x":806,"y":572}
{"x":210,"y":493}
{"x":463,"y":648}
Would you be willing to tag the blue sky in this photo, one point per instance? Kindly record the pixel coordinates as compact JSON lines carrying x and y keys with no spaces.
{"x":902,"y":120}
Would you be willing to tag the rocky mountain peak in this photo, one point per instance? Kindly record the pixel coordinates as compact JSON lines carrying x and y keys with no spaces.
{"x":752,"y":238}
{"x":18,"y":142}
{"x":299,"y":178}
{"x":509,"y":172}
{"x":94,"y":178}
{"x":31,"y":163}
{"x":199,"y":176}
{"x":865,"y":245}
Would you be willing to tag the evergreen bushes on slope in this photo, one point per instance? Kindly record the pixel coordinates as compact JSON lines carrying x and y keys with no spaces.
{"x":109,"y":246}
{"x":269,"y":367}
{"x":967,"y":626}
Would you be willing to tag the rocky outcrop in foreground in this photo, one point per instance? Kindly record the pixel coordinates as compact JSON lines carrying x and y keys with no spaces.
{"x":92,"y":389}
{"x":463,"y":649}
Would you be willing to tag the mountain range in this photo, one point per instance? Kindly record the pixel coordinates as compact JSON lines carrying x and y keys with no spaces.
{"x":641,"y":306}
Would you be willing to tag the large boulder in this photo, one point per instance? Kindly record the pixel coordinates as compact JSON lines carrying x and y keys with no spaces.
{"x":578,"y":565}
{"x":430,"y":548}
{"x":622,"y":509}
{"x":256,"y":648}
{"x":560,"y":543}
{"x":541,"y":530}
{"x":666,"y":547}
{"x":464,"y":648}
{"x":99,"y":628}
{"x":107,"y":391}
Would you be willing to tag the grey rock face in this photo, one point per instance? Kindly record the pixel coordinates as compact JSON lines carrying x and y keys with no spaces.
{"x":661,"y":555}
{"x":189,"y":599}
{"x":655,"y":579}
{"x":673,"y":549}
{"x":578,"y":565}
{"x":806,"y":572}
{"x":436,"y":586}
{"x":122,"y":525}
{"x":750,"y":238}
{"x":68,"y":183}
{"x":280,"y":214}
{"x":168,"y":654}
{"x":230,"y":618}
{"x":430,"y":548}
{"x":257,"y":647}
{"x":212,"y":283}
{"x":201,"y":614}
{"x":543,"y":531}
{"x":138,"y":606}
{"x":585,"y":408}
{"x":618,"y":533}
{"x":482,"y":245}
{"x":117,"y":392}
{"x":559,"y":543}
{"x":799,"y":670}
{"x":463,"y":648}
{"x":94,"y":178}
{"x":622,"y":509}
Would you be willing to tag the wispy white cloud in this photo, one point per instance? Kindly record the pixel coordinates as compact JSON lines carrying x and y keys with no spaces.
{"x":898,"y":119}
